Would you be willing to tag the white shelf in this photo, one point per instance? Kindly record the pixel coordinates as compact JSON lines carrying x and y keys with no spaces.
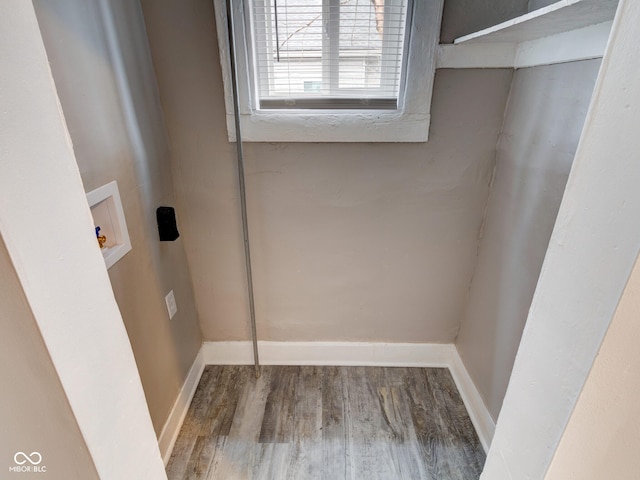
{"x":559,"y":17}
{"x":566,"y":31}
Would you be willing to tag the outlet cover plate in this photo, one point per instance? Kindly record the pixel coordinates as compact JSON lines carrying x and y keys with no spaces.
{"x":172,"y":308}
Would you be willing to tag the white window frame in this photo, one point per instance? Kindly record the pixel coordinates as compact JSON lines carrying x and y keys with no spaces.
{"x":409,"y":123}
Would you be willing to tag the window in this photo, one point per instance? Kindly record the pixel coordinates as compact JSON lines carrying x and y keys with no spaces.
{"x":331,"y":70}
{"x":328,"y":54}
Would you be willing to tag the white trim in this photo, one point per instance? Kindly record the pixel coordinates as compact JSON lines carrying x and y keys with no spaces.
{"x":498,"y":55}
{"x":172,"y":426}
{"x":478,"y":411}
{"x":331,"y":126}
{"x":580,"y":44}
{"x":329,"y":353}
{"x":409,"y":124}
{"x":362,"y":354}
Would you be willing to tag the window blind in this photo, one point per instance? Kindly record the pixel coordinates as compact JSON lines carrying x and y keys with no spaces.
{"x":328,"y":54}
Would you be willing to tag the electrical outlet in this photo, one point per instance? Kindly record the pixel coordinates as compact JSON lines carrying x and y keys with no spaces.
{"x":170,"y":300}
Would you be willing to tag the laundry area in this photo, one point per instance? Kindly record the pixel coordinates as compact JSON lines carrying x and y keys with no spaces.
{"x":307,"y":239}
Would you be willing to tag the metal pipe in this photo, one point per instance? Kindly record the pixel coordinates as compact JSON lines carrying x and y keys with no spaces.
{"x":243,"y":195}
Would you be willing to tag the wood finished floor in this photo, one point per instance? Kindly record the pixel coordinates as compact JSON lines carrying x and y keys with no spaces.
{"x":334,"y":423}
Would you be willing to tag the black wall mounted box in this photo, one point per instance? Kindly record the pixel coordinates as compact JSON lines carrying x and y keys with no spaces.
{"x":167,"y":227}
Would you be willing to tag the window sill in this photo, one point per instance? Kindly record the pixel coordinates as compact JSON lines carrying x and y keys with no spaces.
{"x":338,"y":126}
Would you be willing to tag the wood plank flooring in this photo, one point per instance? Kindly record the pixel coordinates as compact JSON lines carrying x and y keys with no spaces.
{"x":334,"y":423}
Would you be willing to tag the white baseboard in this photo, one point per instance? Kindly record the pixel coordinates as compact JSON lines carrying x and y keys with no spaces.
{"x":478,"y":412}
{"x":363,"y":354}
{"x":172,"y":426}
{"x":330,"y":353}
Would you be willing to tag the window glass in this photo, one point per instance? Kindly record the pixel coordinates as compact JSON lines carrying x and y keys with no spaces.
{"x":328,"y":53}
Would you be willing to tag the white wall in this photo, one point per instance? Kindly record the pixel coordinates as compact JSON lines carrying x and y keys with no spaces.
{"x":35,"y":413}
{"x":48,"y":232}
{"x":542,"y":126}
{"x":592,"y":250}
{"x":603,"y":434}
{"x":101,"y":64}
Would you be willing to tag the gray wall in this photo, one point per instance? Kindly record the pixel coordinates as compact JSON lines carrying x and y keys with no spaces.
{"x":349,"y":241}
{"x":544,"y":119}
{"x":461,"y":17}
{"x":117,"y":131}
{"x":536,"y":4}
{"x":35,"y":414}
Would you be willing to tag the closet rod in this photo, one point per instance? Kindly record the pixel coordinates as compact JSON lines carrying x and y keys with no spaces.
{"x":243,"y":194}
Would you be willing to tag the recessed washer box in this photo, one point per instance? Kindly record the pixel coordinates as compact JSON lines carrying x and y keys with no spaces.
{"x":107,"y":212}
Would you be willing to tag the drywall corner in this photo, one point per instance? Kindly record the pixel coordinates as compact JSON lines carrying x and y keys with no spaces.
{"x":48,"y":231}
